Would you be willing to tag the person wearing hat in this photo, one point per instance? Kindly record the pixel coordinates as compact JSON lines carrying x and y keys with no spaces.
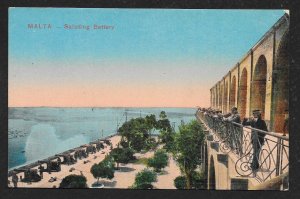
{"x":238,"y":137}
{"x":257,"y":138}
{"x":233,"y":116}
{"x":215,"y":114}
{"x":219,"y":114}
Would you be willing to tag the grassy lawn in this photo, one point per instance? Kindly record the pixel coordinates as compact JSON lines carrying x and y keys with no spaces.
{"x":140,"y":161}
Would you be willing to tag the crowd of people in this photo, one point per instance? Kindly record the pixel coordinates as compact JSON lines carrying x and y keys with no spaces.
{"x":256,"y":122}
{"x":233,"y":116}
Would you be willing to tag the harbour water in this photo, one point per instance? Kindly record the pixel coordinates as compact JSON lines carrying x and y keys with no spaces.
{"x":37,"y":133}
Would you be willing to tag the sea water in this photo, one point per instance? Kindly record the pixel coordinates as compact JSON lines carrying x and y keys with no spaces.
{"x":37,"y":133}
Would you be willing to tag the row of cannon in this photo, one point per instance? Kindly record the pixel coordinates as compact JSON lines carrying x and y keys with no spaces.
{"x":53,"y":164}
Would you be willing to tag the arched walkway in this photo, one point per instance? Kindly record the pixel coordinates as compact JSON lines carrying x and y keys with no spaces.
{"x":258,"y":85}
{"x":242,"y":104}
{"x":280,"y":86}
{"x":221,"y":98}
{"x":232,"y":92}
{"x":215,"y":94}
{"x":213,"y":98}
{"x":225,"y":97}
{"x":217,"y":98}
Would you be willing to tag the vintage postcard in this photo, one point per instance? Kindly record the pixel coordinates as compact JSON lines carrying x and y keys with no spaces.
{"x":148,"y":98}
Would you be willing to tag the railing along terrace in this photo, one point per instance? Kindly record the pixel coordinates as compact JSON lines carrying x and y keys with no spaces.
{"x":260,"y":154}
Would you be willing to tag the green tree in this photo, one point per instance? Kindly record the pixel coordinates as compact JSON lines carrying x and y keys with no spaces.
{"x":144,"y":179}
{"x":187,"y":149}
{"x":151,"y":122}
{"x":163,"y":115}
{"x":159,"y":160}
{"x":166,"y":133}
{"x":138,"y":140}
{"x":136,"y":132}
{"x":73,"y":181}
{"x":122,"y":155}
{"x":151,"y":144}
{"x":104,"y":169}
{"x":167,"y":138}
{"x":164,"y":123}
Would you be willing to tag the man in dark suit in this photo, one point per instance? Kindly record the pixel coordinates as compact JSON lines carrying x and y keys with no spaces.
{"x":257,"y":138}
{"x":237,"y":132}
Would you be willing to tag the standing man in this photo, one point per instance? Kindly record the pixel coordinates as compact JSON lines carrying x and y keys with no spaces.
{"x":233,"y":116}
{"x":237,"y":135}
{"x":257,"y":138}
{"x":219,"y":113}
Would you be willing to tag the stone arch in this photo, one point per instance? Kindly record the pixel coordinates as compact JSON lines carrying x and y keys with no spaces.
{"x":258,"y":86}
{"x":213,"y":97}
{"x":215,"y":94}
{"x":221,"y":98}
{"x":232,"y":92}
{"x":225,"y":98}
{"x":242,"y":105}
{"x":280,"y":81}
{"x":217,"y":97}
{"x":212,"y":175}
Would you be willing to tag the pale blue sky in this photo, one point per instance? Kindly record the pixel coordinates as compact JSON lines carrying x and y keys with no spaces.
{"x":160,"y":46}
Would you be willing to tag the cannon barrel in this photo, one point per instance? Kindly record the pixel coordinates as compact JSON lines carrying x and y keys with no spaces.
{"x":20,"y":170}
{"x":43,"y":161}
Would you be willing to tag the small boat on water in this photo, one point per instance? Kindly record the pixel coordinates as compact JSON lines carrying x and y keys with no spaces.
{"x":23,"y":151}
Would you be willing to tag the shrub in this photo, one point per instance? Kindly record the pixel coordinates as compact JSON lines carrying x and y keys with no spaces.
{"x":198,"y":181}
{"x":180,"y":182}
{"x":73,"y":181}
{"x":159,"y":161}
{"x":144,"y":179}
